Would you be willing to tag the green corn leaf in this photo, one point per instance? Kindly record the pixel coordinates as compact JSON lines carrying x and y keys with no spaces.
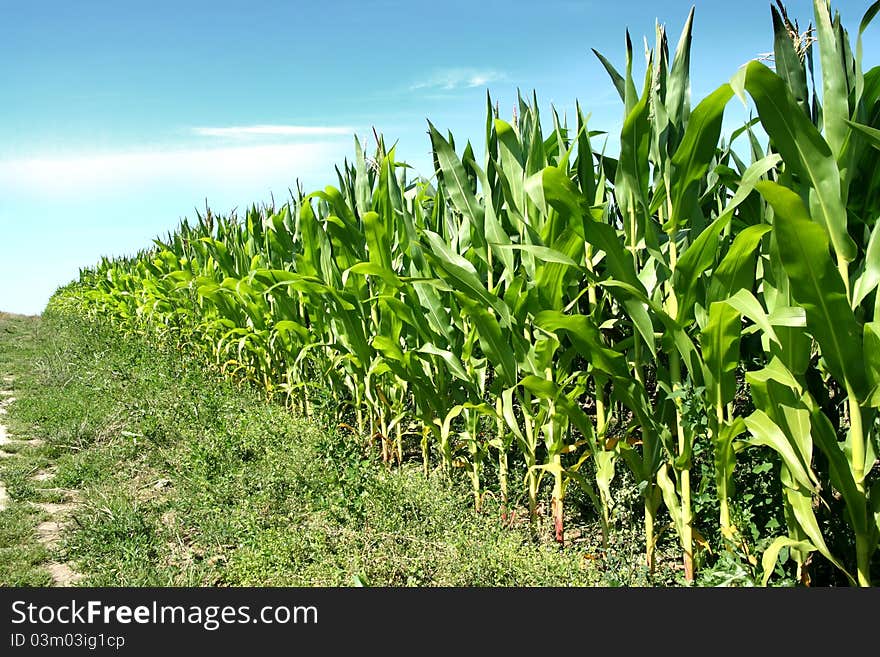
{"x":871,"y":134}
{"x":584,"y":484}
{"x":791,"y":317}
{"x":446,"y":426}
{"x":279,"y":235}
{"x":553,"y":278}
{"x":452,"y":361}
{"x":587,"y":339}
{"x":839,"y":470}
{"x":410,"y":313}
{"x":835,"y":92}
{"x":776,"y":391}
{"x":872,"y":352}
{"x":353,"y":337}
{"x":560,"y":193}
{"x":585,"y":171}
{"x":720,"y":342}
{"x":736,"y":271}
{"x":670,"y":496}
{"x":794,"y":346}
{"x":746,"y":303}
{"x":536,"y":159}
{"x":552,"y":391}
{"x":869,"y":16}
{"x":339,"y":206}
{"x":803,"y":149}
{"x":374,"y":269}
{"x":387,"y":347}
{"x":542,"y":253}
{"x":678,"y":88}
{"x":692,"y":158}
{"x":870,"y":278}
{"x":362,"y":182}
{"x":766,"y":432}
{"x":725,"y":455}
{"x":675,"y":333}
{"x":495,"y":344}
{"x":697,"y":258}
{"x":289,"y":326}
{"x":435,"y":311}
{"x":802,"y":508}
{"x":456,"y":179}
{"x":816,"y":284}
{"x":788,"y":65}
{"x":631,"y":181}
{"x":496,"y":236}
{"x":753,"y":174}
{"x":509,"y":414}
{"x":464,"y":275}
{"x":347,"y":242}
{"x":512,"y":163}
{"x":616,"y":78}
{"x":771,"y":554}
{"x":378,"y":245}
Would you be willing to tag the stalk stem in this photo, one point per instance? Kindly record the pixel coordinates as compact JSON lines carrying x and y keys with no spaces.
{"x":648,"y":494}
{"x":502,"y":459}
{"x":687,"y":537}
{"x":723,"y":501}
{"x":857,"y":456}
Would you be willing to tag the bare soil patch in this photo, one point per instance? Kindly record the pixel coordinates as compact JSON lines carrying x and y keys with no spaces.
{"x":48,"y":532}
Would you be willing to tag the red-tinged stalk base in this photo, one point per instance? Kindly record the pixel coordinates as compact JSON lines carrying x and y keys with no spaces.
{"x":556,"y":508}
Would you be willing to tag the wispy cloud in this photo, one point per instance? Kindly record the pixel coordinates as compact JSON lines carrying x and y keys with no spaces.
{"x":243,"y":131}
{"x":242,"y":168}
{"x":449,"y":79}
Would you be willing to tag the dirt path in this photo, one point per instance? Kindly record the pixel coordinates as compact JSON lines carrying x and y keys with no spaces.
{"x":49,"y":531}
{"x":5,"y":399}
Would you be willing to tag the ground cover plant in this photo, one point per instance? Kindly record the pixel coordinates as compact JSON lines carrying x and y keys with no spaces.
{"x":181,"y":479}
{"x":696,"y":318}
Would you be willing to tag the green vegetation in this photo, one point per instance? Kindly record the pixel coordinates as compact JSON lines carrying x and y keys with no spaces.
{"x":553,"y":321}
{"x":184,"y":479}
{"x":20,"y":554}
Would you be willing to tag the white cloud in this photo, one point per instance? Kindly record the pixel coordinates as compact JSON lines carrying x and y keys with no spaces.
{"x":239,"y":131}
{"x":450,"y":79}
{"x":84,"y":174}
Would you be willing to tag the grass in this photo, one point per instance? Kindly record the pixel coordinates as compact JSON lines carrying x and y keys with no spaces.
{"x":21,"y":556}
{"x":187,"y":480}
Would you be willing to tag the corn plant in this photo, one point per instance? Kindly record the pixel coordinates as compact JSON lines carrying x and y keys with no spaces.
{"x":548,"y":308}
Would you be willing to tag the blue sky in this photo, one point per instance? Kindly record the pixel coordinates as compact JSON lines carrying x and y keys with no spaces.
{"x":120,"y":118}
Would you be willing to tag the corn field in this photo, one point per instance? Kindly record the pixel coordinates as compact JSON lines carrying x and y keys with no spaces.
{"x":545,"y":315}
